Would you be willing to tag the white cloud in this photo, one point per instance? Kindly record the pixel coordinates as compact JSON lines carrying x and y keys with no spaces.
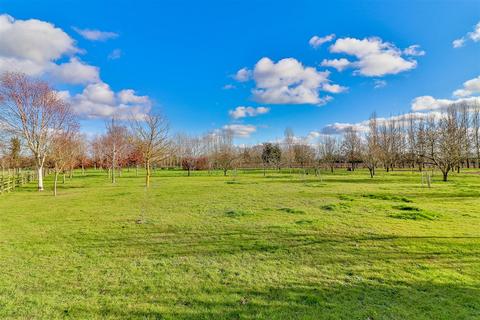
{"x":240,"y":130}
{"x":288,"y":82}
{"x":115,"y":54}
{"x":99,"y":101}
{"x":243,"y":112}
{"x":458,"y":43}
{"x":473,"y":35}
{"x":375,"y":57}
{"x":129,"y":96}
{"x":470,"y":87}
{"x":414,"y":50}
{"x":425,"y":103}
{"x":317,"y":41}
{"x":339,"y":64}
{"x":339,"y":128}
{"x":95,"y":35}
{"x":33,"y":46}
{"x":333,"y":88}
{"x":378,"y":83}
{"x":243,"y":75}
{"x":33,"y":40}
{"x":363,"y":126}
{"x":75,"y":72}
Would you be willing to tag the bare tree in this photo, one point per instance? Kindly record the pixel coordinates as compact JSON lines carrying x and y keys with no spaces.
{"x":225,"y":152}
{"x":351,"y":147}
{"x":116,"y":141}
{"x":189,"y":150}
{"x":31,"y":109}
{"x":328,"y":149}
{"x":476,"y":132}
{"x":63,"y":153}
{"x":289,"y":142}
{"x":443,"y":137}
{"x":151,"y":136}
{"x":371,"y":152}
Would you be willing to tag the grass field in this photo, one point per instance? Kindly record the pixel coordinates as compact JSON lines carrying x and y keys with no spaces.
{"x":285,"y":246}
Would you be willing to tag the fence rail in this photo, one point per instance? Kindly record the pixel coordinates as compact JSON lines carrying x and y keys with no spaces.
{"x":11,"y":182}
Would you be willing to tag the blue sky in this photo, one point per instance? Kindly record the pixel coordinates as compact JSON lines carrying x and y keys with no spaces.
{"x":178,"y":56}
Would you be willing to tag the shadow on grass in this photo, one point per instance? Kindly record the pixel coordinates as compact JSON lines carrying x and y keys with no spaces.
{"x":356,"y":299}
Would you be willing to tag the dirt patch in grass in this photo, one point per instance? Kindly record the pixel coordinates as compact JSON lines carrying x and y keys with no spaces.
{"x":389,"y":197}
{"x":335,"y":206}
{"x":238,"y":213}
{"x":304,"y":222}
{"x":408,"y":212}
{"x":345,"y":198}
{"x":291,"y":210}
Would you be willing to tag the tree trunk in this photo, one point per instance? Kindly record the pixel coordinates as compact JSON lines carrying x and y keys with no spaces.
{"x":445,"y":176}
{"x":225,"y":172}
{"x":147,"y":176}
{"x":55,"y":184}
{"x":40,"y":178}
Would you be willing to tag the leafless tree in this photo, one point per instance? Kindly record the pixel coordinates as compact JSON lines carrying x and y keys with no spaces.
{"x":225,"y":152}
{"x":189,"y":150}
{"x":351,"y":147}
{"x":328,"y":149}
{"x":63,"y":153}
{"x":151,"y":136}
{"x":31,"y":109}
{"x":476,"y":132}
{"x":371,"y":153}
{"x":115,"y":141}
{"x":289,"y":142}
{"x":443,"y":140}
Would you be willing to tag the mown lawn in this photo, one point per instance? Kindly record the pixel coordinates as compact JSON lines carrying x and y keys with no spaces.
{"x":285,"y":246}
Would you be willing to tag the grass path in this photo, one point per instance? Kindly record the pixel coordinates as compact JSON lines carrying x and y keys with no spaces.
{"x":279,"y":247}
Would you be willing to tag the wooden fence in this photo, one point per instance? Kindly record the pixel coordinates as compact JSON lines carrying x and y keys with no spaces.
{"x":11,"y":182}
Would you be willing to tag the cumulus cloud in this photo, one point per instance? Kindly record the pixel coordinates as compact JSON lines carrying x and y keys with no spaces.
{"x":240,"y":130}
{"x":33,"y":40}
{"x":95,"y":35}
{"x":289,"y":82}
{"x":425,"y":103}
{"x":243,"y":75}
{"x":333,"y":88}
{"x":470,"y":87}
{"x":75,"y":72}
{"x":33,"y":47}
{"x":374,"y":57}
{"x":473,"y":36}
{"x":341,"y":127}
{"x":243,"y":112}
{"x":339,"y":64}
{"x":363,"y":126}
{"x":317,"y":41}
{"x":100,"y":101}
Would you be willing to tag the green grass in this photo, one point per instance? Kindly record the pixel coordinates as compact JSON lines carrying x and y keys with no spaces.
{"x":285,"y":246}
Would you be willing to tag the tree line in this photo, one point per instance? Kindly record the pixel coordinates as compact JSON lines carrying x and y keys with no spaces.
{"x":40,"y":130}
